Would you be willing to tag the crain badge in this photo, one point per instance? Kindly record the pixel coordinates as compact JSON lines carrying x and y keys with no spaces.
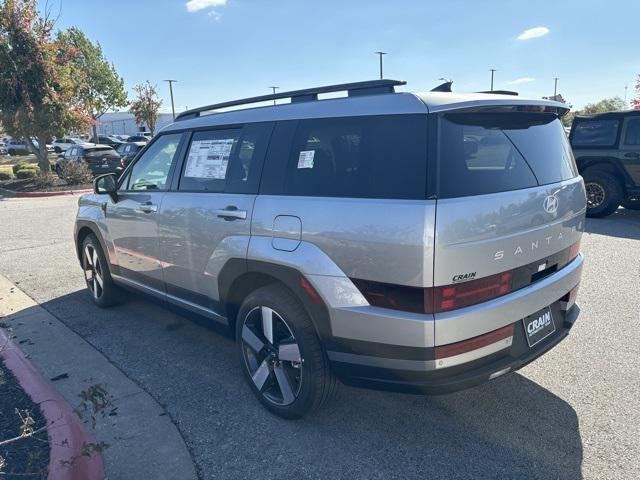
{"x":464,"y":277}
{"x":550,"y":204}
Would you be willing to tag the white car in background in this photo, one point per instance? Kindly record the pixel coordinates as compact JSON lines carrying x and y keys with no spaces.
{"x":62,"y":144}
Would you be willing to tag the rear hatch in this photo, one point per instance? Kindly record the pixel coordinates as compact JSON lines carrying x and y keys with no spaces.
{"x":510,"y":208}
{"x":102,"y":159}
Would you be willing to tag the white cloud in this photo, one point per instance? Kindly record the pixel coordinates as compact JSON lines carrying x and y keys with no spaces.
{"x":215,"y":15}
{"x":530,"y":33}
{"x":518,"y":81}
{"x":196,"y":5}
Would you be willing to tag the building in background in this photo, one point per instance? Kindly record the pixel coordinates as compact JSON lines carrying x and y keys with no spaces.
{"x":124,"y":123}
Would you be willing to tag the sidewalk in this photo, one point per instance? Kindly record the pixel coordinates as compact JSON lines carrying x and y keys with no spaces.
{"x":143,"y":441}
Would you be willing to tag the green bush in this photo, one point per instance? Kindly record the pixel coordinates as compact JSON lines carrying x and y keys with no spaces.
{"x":75,"y":173}
{"x":27,"y":173}
{"x":4,"y":175}
{"x":29,"y":166}
{"x":17,"y":167}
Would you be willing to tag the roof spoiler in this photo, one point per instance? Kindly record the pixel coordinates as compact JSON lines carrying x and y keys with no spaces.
{"x":501,"y":92}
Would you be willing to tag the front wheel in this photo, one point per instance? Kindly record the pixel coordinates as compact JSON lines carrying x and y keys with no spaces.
{"x":604,"y":193}
{"x":96,"y":274}
{"x":281,"y":355}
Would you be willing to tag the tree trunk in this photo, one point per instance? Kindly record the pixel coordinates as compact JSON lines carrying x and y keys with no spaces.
{"x":41,"y":153}
{"x":94,"y":128}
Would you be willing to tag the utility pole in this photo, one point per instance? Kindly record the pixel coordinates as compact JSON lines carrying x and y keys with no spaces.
{"x":493,"y":70}
{"x":173,"y":110}
{"x":555,"y":87}
{"x":380,"y":54}
{"x":274,"y":92}
{"x":625,"y":95}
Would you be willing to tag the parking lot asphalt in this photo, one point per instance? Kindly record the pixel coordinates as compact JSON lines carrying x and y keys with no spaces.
{"x":574,"y":413}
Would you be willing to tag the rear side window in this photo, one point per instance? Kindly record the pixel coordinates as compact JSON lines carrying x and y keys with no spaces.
{"x":482,"y":153}
{"x":365,"y":157}
{"x":225,"y":160}
{"x":595,"y":133}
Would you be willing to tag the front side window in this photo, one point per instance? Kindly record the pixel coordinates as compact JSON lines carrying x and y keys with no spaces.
{"x":632,"y":135}
{"x":151,"y":171}
{"x":359,"y":157}
{"x":595,"y":133}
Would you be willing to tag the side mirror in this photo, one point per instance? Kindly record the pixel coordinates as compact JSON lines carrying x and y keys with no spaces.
{"x":108,"y":184}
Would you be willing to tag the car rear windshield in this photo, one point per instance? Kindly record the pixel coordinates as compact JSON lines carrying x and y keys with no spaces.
{"x":94,"y":152}
{"x":483,"y":153}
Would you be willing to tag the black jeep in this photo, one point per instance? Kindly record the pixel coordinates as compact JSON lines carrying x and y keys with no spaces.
{"x":607,"y":151}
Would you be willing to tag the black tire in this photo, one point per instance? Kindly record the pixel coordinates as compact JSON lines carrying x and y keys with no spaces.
{"x":107,"y":294}
{"x":604,"y":193}
{"x":12,"y":152}
{"x":631,"y":204}
{"x":57,"y":149}
{"x":310,"y":380}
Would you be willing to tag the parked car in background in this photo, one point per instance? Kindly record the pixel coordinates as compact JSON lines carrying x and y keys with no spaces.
{"x":99,"y":158}
{"x":139,"y":138}
{"x":3,"y":148}
{"x":62,"y":144}
{"x":19,"y":147}
{"x":129,"y":150}
{"x":607,"y":151}
{"x":122,"y":138}
{"x":309,"y":229}
{"x":110,"y":140}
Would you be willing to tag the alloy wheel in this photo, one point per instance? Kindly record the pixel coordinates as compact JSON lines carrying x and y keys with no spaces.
{"x":272,"y":356}
{"x":93,"y":271}
{"x":595,"y":194}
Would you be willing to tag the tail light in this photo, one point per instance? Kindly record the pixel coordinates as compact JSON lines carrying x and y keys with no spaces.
{"x":459,"y":295}
{"x":465,"y":294}
{"x":475,"y":343}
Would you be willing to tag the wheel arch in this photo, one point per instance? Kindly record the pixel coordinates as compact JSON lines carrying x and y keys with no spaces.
{"x":84,"y":229}
{"x":606,"y":164}
{"x":239,"y":277}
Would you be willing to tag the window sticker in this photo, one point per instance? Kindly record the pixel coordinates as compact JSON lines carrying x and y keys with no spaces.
{"x":305,"y":159}
{"x":209,"y":158}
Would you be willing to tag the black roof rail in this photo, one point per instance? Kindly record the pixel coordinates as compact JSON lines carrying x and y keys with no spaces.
{"x":501,"y":92}
{"x":369,"y":87}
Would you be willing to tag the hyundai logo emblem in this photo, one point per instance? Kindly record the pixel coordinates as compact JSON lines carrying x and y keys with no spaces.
{"x":550,"y":204}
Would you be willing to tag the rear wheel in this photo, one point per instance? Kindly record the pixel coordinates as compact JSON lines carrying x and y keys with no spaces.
{"x":604,"y":193}
{"x":281,"y":354}
{"x":96,"y":274}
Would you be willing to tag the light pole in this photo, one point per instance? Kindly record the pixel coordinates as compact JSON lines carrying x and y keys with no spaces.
{"x":625,"y":95}
{"x":173,"y":110}
{"x":274,"y":92}
{"x":380,"y":54}
{"x":493,"y":70}
{"x":555,"y":87}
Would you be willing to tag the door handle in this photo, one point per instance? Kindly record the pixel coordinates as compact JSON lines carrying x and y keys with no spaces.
{"x":147,"y":207}
{"x":232,"y":213}
{"x":632,"y":155}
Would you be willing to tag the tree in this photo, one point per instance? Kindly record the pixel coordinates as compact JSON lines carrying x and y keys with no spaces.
{"x":39,"y":84}
{"x":146,"y":106}
{"x":635,"y":103}
{"x":104,"y":89}
{"x":610,"y":104}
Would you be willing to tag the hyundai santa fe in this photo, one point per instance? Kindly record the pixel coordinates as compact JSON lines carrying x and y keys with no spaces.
{"x":420,"y":243}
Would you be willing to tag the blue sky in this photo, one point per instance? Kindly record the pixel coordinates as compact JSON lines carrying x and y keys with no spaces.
{"x":220,"y":50}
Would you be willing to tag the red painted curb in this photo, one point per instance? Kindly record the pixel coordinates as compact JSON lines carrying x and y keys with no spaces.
{"x":67,"y":434}
{"x":12,"y":193}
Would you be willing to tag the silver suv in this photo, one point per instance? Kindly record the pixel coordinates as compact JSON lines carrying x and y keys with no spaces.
{"x":411,"y":242}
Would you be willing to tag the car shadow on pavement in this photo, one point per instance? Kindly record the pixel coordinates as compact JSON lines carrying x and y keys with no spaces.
{"x":622,"y":223}
{"x":510,"y":427}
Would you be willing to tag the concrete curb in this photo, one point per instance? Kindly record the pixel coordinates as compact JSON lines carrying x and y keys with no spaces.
{"x":11,"y":193}
{"x":143,"y":442}
{"x":67,"y":434}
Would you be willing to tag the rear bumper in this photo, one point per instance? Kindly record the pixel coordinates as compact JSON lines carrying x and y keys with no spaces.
{"x":447,"y":380}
